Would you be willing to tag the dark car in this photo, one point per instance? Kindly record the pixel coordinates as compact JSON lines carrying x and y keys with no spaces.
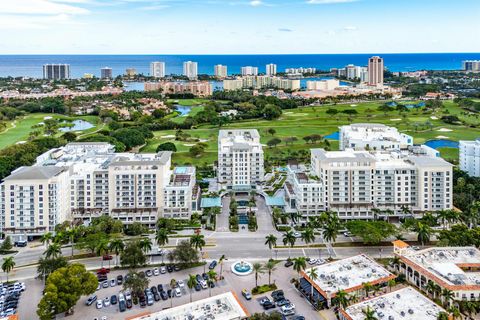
{"x":143,"y":300}
{"x":289,"y":263}
{"x":119,"y":279}
{"x":91,"y":300}
{"x":212,"y":265}
{"x":212,"y":284}
{"x":198,"y":287}
{"x":129,"y":303}
{"x":298,"y":318}
{"x":156,"y":296}
{"x":160,"y":287}
{"x":198,"y":277}
{"x":101,"y":277}
{"x":170,"y":268}
{"x":113,"y":299}
{"x":164,"y":295}
{"x":205,"y":276}
{"x":277,"y":295}
{"x":282,"y":302}
{"x":169,"y":293}
{"x":154,"y":289}
{"x":122,"y":306}
{"x":268,"y":305}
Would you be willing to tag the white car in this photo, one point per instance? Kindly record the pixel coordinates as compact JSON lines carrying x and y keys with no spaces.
{"x":297,"y":234}
{"x":128,"y":295}
{"x":99,"y":304}
{"x":320,"y":261}
{"x":204,"y":285}
{"x":288,"y":307}
{"x":163,"y":270}
{"x":106,"y":301}
{"x":178,"y":293}
{"x":156,"y":272}
{"x":113,"y":283}
{"x":121,"y":297}
{"x":180,"y":283}
{"x":312,"y":261}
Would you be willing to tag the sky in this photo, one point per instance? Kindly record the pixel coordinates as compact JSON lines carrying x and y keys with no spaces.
{"x":238,"y":26}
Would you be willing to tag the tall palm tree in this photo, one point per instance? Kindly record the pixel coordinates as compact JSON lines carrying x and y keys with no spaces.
{"x":46,"y":238}
{"x":102,"y":248}
{"x":8,"y":265}
{"x":391,"y":283}
{"x":212,"y":277}
{"x":431,"y":288}
{"x":313,"y":275}
{"x":443,"y":316}
{"x":220,"y":261}
{"x":289,"y":239}
{"x":53,"y":251}
{"x":341,"y":299}
{"x":173,"y":284}
{"x":162,"y":238}
{"x":116,"y":245}
{"x":146,"y":245}
{"x":270,"y":267}
{"x":192,"y":281}
{"x":424,"y":231}
{"x":456,"y":314}
{"x":299,"y":264}
{"x":198,"y":241}
{"x":308,"y":236}
{"x":271,"y":242}
{"x":257,"y":269}
{"x":369,"y":313}
{"x":367,"y":287}
{"x":447,"y":295}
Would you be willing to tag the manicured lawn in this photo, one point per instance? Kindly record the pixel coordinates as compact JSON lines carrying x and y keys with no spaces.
{"x":305,"y":121}
{"x":192,"y":113}
{"x":20,"y":129}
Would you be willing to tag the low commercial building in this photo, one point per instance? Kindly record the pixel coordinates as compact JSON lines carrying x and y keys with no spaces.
{"x":373,"y":136}
{"x":469,"y":152}
{"x":240,"y":158}
{"x":197,"y":88}
{"x":224,"y":306}
{"x":323,"y":85}
{"x":406,"y":303}
{"x":348,"y":275}
{"x":86,"y":180}
{"x":452,"y":268}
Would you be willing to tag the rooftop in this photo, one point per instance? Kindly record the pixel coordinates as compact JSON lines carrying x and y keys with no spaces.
{"x":34,"y":173}
{"x":224,"y":306}
{"x":349,"y":274}
{"x":405,"y":304}
{"x":374,"y":132}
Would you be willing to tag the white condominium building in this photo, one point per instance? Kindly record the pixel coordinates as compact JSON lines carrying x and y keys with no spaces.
{"x":373,"y":136}
{"x":220,"y":71}
{"x":157,"y":69}
{"x":56,"y":71}
{"x":249,"y":71}
{"x":355,"y":182}
{"x":85,"y":180}
{"x":323,"y":85}
{"x":190,"y":70}
{"x":240,"y":158}
{"x":471,"y":65}
{"x":261,"y":82}
{"x":470,"y":157}
{"x":271,"y":69}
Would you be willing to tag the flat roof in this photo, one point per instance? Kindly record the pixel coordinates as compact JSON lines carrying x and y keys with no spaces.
{"x":349,"y":274}
{"x":225,"y":306}
{"x":405,"y":304}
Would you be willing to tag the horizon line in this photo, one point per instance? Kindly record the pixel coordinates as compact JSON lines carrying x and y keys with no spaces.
{"x":226,"y":54}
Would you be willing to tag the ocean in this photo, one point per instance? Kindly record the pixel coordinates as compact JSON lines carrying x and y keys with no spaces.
{"x":31,"y":65}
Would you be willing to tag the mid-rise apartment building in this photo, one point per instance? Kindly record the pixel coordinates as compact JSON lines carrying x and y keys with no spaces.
{"x":261,"y":82}
{"x":469,"y":152}
{"x":197,"y":88}
{"x":240,"y":158}
{"x":373,"y":136}
{"x":323,"y":85}
{"x":56,"y":71}
{"x":249,"y":71}
{"x":85,"y":180}
{"x":220,"y":71}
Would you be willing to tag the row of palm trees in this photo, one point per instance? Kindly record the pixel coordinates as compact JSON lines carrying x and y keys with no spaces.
{"x":192,"y":281}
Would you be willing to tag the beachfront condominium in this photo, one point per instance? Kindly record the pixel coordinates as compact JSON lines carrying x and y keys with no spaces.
{"x":373,"y":136}
{"x":249,"y":71}
{"x":375,"y":71}
{"x":469,"y":152}
{"x":220,"y":71}
{"x":240,"y":158}
{"x":157,"y":69}
{"x":82,"y":181}
{"x":190,"y":70}
{"x":106,"y":73}
{"x":471,"y":65}
{"x":56,"y":71}
{"x":271,"y":69}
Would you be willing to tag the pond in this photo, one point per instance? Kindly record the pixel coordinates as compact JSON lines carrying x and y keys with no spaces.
{"x":333,"y":136}
{"x":441,"y":143}
{"x":77,"y":125}
{"x":184,"y":110}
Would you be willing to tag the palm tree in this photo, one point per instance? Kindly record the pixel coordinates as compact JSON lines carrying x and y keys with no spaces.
{"x":423,"y":231}
{"x":220,"y":261}
{"x":367,"y":287}
{"x":391,"y":283}
{"x":258,"y":269}
{"x":395,"y":262}
{"x":192,"y":281}
{"x":369,"y":313}
{"x":313,"y":275}
{"x":173,"y":284}
{"x":341,"y":299}
{"x":447,"y":295}
{"x":271,"y":242}
{"x":308,"y":236}
{"x":299,"y":264}
{"x":8,"y":265}
{"x":431,"y":288}
{"x":116,"y":246}
{"x":53,"y":251}
{"x":443,"y":216}
{"x":443,"y":316}
{"x":46,"y":238}
{"x":456,"y":314}
{"x":162,"y":238}
{"x":71,"y":234}
{"x":198,"y":241}
{"x":212,"y":277}
{"x":270,"y":267}
{"x":289,"y":239}
{"x":102,"y":249}
{"x":146,"y":245}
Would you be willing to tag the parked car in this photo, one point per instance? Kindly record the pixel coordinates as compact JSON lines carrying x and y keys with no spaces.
{"x":297,"y":234}
{"x":205,"y":276}
{"x":298,"y":318}
{"x":105,"y":284}
{"x":113,"y":299}
{"x":263,"y":301}
{"x":148,"y":273}
{"x":91,"y":300}
{"x":170,"y":293}
{"x":178,"y":293}
{"x":122,"y":306}
{"x":163,"y":270}
{"x":156,"y":272}
{"x":289,"y":263}
{"x":180,"y":283}
{"x":103,"y":271}
{"x":170,"y":268}
{"x":204,"y":285}
{"x":177,"y":267}
{"x":160,"y":287}
{"x":156,"y":296}
{"x":150,"y":299}
{"x":312,"y":261}
{"x":119,"y":279}
{"x":107,"y":257}
{"x":198,"y":277}
{"x":212,"y":265}
{"x":106,"y":301}
{"x":99,"y":304}
{"x":211,"y":284}
{"x":268,"y":305}
{"x":282,"y":302}
{"x":164,"y":295}
{"x":247,"y":294}
{"x":129,"y":303}
{"x":198,"y":287}
{"x":278,"y":295}
{"x":113,"y":283}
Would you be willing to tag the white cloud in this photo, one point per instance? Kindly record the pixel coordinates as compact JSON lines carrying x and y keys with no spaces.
{"x":39,"y":7}
{"x":256,"y":3}
{"x":329,"y":1}
{"x":350,"y":28}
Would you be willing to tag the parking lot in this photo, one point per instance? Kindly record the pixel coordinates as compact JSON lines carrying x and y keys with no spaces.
{"x":231,"y":282}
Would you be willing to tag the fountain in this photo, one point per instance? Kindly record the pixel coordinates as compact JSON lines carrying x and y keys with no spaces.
{"x":242,"y":268}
